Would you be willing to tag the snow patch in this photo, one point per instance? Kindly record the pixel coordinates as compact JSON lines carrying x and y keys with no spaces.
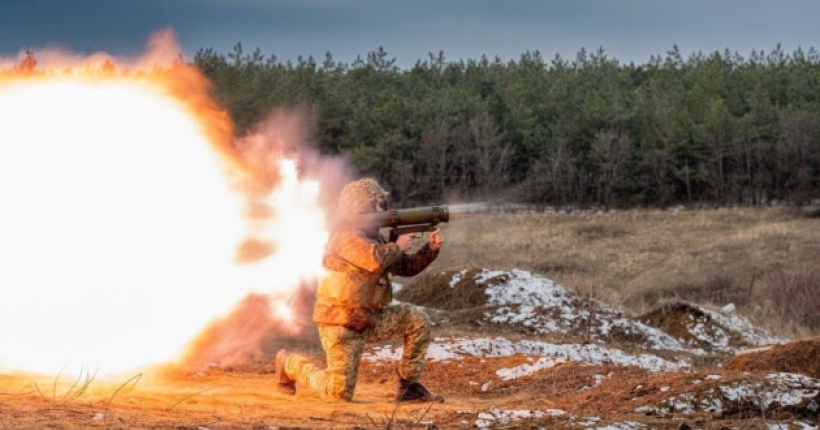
{"x":744,"y":328}
{"x":778,"y":390}
{"x":497,"y":417}
{"x":540,"y":306}
{"x":446,"y":348}
{"x":543,"y":306}
{"x":528,"y":369}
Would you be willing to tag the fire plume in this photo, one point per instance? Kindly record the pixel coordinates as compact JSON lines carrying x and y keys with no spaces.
{"x":131,"y":218}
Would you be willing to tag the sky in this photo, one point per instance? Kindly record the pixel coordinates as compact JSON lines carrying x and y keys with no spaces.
{"x":627,"y":30}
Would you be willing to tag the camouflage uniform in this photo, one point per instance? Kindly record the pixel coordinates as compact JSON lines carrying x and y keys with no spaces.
{"x":353,"y":304}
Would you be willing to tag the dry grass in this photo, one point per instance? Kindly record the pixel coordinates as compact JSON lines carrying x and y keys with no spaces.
{"x":638,"y":258}
{"x":797,"y":357}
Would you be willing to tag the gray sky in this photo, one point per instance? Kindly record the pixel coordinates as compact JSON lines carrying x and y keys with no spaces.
{"x":629,"y":30}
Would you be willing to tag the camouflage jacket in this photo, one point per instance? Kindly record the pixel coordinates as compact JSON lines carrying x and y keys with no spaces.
{"x":358,"y":281}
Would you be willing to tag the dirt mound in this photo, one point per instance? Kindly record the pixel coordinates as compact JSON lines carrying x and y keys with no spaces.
{"x":678,"y":318}
{"x":450,"y":291}
{"x":456,"y":299}
{"x":481,"y":300}
{"x":709,"y":330}
{"x":801,"y":356}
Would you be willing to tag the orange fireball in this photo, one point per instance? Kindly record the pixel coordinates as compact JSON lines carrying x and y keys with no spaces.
{"x":120,"y":221}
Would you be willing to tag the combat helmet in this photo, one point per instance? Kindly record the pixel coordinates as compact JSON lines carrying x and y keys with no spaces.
{"x":360,"y":197}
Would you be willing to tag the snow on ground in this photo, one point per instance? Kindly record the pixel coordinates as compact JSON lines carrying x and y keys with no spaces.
{"x":502,"y":418}
{"x":455,"y":348}
{"x":779,"y":390}
{"x":528,"y":369}
{"x":541,"y":306}
{"x":496,"y":417}
{"x":545,"y":307}
{"x":627,"y":425}
{"x":737,"y":324}
{"x":521,"y":299}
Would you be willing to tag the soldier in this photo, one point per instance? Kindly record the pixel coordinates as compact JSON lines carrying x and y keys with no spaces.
{"x":354,"y":306}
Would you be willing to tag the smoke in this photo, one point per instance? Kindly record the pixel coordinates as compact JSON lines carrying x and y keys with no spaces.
{"x":257,"y":325}
{"x":283,"y":135}
{"x":468,"y":207}
{"x":234,"y":339}
{"x":252,"y":331}
{"x":262,"y":322}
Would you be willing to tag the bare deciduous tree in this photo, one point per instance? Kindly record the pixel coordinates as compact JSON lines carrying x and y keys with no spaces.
{"x":611,"y":151}
{"x":658,"y":180}
{"x":550,"y":179}
{"x":433,"y":155}
{"x":492,"y":154}
{"x":796,"y":154}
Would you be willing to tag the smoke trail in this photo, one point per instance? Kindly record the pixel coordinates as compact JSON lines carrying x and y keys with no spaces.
{"x":468,"y":207}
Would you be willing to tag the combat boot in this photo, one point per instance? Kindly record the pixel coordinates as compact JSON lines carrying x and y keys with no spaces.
{"x":408,"y":391}
{"x":284,"y":384}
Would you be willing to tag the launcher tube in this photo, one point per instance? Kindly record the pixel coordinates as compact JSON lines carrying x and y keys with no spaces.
{"x":426,"y":215}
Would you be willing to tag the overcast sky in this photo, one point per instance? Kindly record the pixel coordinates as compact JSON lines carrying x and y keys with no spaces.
{"x":629,"y":30}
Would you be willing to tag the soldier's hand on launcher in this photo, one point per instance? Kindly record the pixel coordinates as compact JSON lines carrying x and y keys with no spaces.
{"x":436,"y":239}
{"x":405,"y":241}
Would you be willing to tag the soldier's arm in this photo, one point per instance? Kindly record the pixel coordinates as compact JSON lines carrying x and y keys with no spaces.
{"x":361,"y":251}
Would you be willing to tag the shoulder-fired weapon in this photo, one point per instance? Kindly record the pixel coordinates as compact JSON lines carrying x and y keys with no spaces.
{"x":400,"y":221}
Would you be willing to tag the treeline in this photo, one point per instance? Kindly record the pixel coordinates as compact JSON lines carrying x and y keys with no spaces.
{"x":715,"y":129}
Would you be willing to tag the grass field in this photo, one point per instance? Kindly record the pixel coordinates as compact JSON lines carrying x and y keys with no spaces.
{"x":766,"y":261}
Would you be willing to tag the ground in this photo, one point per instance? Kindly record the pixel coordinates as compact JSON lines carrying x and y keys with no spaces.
{"x":515,"y":351}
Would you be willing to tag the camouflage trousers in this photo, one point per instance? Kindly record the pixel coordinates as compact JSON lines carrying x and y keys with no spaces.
{"x":344,"y":347}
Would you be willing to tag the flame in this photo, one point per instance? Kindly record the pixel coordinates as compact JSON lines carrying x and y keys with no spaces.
{"x":298,"y":229}
{"x":121,"y":219}
{"x":283,"y":311}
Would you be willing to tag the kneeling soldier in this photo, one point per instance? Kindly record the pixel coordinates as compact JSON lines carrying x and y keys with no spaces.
{"x":354,"y":307}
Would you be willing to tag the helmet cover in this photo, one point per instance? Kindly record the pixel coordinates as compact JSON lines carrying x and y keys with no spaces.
{"x":360,"y":196}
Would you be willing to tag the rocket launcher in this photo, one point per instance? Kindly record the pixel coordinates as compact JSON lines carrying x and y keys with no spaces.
{"x":400,"y":221}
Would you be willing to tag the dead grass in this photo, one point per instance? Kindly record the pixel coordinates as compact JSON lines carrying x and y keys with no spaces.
{"x":791,"y":299}
{"x":639,"y":258}
{"x":795,"y":357}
